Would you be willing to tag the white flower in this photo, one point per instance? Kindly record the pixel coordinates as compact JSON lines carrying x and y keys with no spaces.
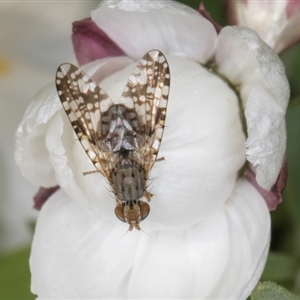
{"x":209,"y":228}
{"x":276,"y":22}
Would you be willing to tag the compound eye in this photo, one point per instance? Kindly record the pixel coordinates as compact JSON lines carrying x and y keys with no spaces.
{"x":144,"y":210}
{"x":119,"y":211}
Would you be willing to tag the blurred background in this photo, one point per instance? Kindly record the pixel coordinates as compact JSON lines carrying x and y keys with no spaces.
{"x":35,"y":37}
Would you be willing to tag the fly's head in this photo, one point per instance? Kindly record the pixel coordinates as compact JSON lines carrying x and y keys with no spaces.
{"x":132,"y":212}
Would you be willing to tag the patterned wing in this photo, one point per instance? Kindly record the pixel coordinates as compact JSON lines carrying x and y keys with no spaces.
{"x":148,"y":88}
{"x":83,"y":101}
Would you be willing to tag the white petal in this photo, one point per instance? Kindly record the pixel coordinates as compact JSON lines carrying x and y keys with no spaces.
{"x":102,"y":68}
{"x":250,"y":227}
{"x":139,"y":26}
{"x":276,"y":22}
{"x":233,"y":58}
{"x":265,"y":17}
{"x":60,"y":155}
{"x":77,"y":254}
{"x":30,"y":152}
{"x":256,"y":70}
{"x":243,"y":58}
{"x":270,"y":66}
{"x":266,"y":141}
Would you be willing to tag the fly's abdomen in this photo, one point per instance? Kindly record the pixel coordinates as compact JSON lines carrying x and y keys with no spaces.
{"x":128,"y":182}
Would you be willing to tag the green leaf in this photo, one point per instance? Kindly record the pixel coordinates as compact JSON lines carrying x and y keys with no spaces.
{"x":191,"y":3}
{"x":295,"y":102}
{"x":291,"y":60}
{"x":293,"y":150}
{"x":279,"y":267}
{"x":217,"y":9}
{"x":272,"y":291}
{"x":15,"y":276}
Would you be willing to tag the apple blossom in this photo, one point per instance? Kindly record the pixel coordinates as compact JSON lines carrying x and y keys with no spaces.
{"x":276,"y":22}
{"x":209,"y":226}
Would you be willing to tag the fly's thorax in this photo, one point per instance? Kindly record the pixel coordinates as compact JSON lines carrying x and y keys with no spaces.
{"x":119,"y":125}
{"x":129,"y":182}
{"x":132,"y":212}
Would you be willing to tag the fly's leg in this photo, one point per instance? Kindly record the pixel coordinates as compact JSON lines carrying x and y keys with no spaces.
{"x":160,"y":159}
{"x":148,"y":196}
{"x":91,"y":172}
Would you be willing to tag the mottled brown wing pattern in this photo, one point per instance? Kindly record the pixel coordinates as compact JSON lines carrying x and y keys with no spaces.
{"x":148,"y":88}
{"x":122,"y":140}
{"x":83,"y":100}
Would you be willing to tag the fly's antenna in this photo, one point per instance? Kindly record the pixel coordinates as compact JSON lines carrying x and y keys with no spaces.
{"x":145,"y":232}
{"x":124,"y":234}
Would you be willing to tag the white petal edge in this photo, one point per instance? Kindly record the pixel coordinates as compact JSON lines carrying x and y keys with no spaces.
{"x":270,"y":66}
{"x":77,"y":254}
{"x":139,"y":26}
{"x":251,"y":224}
{"x":30,"y":152}
{"x":254,"y":275}
{"x":266,"y":143}
{"x":242,"y":57}
{"x":257,"y":72}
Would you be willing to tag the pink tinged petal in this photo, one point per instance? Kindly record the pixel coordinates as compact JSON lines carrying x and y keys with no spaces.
{"x":77,"y":254}
{"x":276,"y":22}
{"x":138,"y":26}
{"x":91,"y":43}
{"x":292,"y":8}
{"x":204,"y":13}
{"x":42,"y":196}
{"x":274,"y":196}
{"x":232,"y":12}
{"x":290,"y":34}
{"x":256,"y":70}
{"x":262,"y":16}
